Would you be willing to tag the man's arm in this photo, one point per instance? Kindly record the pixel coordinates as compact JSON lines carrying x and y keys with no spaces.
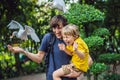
{"x":75,"y":74}
{"x":34,"y":57}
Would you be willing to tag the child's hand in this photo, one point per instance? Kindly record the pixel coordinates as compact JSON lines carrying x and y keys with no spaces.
{"x":61,"y":46}
{"x":75,"y":46}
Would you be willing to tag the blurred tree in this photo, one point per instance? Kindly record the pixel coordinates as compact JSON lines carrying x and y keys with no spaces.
{"x":112,"y":21}
{"x":27,"y":13}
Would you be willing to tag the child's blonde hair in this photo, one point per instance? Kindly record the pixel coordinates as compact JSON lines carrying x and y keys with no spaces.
{"x":71,"y":30}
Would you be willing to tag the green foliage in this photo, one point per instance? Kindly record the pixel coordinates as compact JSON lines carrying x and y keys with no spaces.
{"x":5,"y":58}
{"x":113,"y":76}
{"x":30,"y":66}
{"x":94,"y":42}
{"x":101,"y":32}
{"x":109,"y":58}
{"x":26,"y":13}
{"x":7,"y":62}
{"x":98,"y":68}
{"x":79,"y":14}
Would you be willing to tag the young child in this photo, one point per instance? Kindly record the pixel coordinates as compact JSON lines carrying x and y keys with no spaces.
{"x":76,"y":48}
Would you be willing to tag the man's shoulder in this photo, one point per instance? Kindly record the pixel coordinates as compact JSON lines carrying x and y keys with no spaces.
{"x":49,"y":37}
{"x":49,"y":34}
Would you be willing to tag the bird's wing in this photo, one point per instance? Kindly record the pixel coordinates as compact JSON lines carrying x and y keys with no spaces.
{"x":14,"y":25}
{"x":62,"y":4}
{"x":32,"y":33}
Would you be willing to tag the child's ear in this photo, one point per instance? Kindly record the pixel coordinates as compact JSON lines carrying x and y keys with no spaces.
{"x":75,"y":37}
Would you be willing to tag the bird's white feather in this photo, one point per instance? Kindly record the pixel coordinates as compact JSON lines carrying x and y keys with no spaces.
{"x":14,"y":25}
{"x":58,"y":4}
{"x":23,"y":33}
{"x":31,"y":32}
{"x":35,"y":37}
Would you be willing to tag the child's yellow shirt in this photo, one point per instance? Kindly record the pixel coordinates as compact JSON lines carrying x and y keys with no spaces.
{"x":81,"y":64}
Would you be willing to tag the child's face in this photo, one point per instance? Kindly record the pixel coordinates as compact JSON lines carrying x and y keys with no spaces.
{"x":68,"y":39}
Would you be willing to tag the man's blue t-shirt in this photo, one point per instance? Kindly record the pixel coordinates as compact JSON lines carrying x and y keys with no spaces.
{"x":60,"y":57}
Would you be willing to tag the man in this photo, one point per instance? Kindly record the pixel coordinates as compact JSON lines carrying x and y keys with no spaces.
{"x":60,"y":58}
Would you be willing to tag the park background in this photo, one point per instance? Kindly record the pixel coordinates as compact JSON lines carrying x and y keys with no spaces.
{"x":99,"y":25}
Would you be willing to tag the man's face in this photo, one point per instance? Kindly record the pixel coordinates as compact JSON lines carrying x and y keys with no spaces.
{"x":57,"y":31}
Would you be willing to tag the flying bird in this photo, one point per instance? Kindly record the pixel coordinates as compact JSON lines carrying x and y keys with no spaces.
{"x":57,"y":4}
{"x":22,"y":33}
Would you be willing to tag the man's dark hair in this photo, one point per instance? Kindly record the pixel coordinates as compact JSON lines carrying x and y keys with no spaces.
{"x":58,"y":19}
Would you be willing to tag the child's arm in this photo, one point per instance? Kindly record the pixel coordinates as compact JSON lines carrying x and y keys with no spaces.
{"x":63,"y":48}
{"x":78,"y":52}
{"x":68,"y":52}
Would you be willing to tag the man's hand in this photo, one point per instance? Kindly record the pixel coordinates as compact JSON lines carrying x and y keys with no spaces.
{"x":15,"y":49}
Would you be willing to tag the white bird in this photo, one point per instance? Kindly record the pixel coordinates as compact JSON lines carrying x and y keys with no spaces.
{"x":22,"y":33}
{"x":57,"y":4}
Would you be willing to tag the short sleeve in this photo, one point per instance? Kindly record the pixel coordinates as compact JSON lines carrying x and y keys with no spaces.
{"x":44,"y":43}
